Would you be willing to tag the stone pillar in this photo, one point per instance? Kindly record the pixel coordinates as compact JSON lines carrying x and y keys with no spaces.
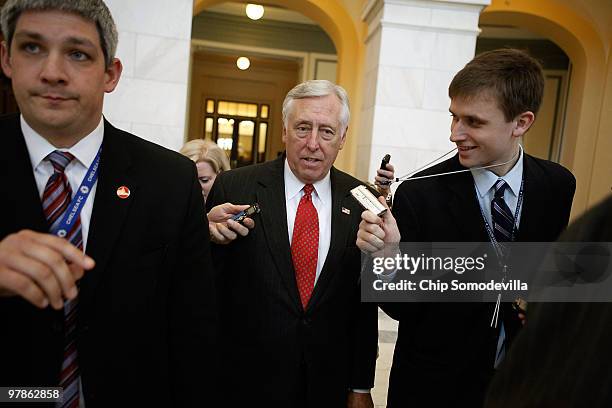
{"x":413,"y":50}
{"x":154,"y":41}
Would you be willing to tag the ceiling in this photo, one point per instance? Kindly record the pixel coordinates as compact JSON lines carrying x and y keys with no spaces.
{"x":270,"y":13}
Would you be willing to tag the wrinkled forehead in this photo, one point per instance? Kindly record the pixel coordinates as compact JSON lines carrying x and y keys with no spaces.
{"x":327,"y":108}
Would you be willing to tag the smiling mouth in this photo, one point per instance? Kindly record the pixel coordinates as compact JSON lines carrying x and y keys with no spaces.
{"x":466,"y":148}
{"x":310,"y":160}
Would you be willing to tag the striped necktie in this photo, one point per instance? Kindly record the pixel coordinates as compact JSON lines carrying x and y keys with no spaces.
{"x":503,"y":229}
{"x":56,"y":200}
{"x":503,"y":220}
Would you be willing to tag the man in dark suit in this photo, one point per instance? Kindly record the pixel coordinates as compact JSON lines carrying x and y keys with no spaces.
{"x":133,"y":321}
{"x":452,"y":347}
{"x":295,"y":332}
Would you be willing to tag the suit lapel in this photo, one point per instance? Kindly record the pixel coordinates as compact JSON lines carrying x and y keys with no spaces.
{"x":463,"y":204}
{"x":341,"y":224}
{"x":533,"y":211}
{"x":271,"y":197}
{"x":22,"y":195}
{"x":109,"y":211}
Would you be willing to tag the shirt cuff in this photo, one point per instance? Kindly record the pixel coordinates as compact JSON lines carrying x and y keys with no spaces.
{"x":360,"y":391}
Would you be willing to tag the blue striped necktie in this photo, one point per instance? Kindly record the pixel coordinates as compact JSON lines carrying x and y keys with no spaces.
{"x":503,"y":229}
{"x":503,"y":220}
{"x":56,"y":200}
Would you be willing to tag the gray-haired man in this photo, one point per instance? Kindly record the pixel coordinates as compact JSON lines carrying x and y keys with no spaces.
{"x":296,"y":332}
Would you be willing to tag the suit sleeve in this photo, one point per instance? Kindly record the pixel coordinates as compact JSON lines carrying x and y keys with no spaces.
{"x":192,"y":308}
{"x":569,"y":189}
{"x":408,"y":225}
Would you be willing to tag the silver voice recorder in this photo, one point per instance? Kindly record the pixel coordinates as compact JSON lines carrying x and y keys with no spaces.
{"x":368,"y":200}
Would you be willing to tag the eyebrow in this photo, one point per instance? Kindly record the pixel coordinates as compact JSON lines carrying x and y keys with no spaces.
{"x":473,"y":117}
{"x":31,"y":35}
{"x":309,"y":122}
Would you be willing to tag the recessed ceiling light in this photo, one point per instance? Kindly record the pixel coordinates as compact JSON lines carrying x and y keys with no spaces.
{"x":254,"y":11}
{"x":243,"y":63}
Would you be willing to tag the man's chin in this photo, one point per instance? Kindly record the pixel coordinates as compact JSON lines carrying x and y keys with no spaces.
{"x":310,"y":177}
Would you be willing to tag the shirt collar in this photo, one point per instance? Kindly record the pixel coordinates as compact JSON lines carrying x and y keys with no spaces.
{"x":293,"y":185}
{"x":485,"y":179}
{"x":84,"y":150}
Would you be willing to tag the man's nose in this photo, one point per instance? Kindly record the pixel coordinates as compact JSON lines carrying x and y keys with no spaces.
{"x":54,"y":69}
{"x":313,"y":140}
{"x":458,"y":132}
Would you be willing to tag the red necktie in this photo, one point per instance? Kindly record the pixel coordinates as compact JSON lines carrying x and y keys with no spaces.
{"x":56,"y":199}
{"x":305,"y":245}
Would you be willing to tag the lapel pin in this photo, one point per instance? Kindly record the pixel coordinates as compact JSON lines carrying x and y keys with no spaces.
{"x":123,"y":192}
{"x":346,"y":210}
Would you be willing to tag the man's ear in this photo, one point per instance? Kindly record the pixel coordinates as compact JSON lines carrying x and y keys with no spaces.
{"x":112,"y":75}
{"x":522,"y":123}
{"x":5,"y":59}
{"x":284,"y":134}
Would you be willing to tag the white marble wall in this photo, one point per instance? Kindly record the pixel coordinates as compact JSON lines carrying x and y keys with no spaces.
{"x":154,"y":41}
{"x":413,"y":50}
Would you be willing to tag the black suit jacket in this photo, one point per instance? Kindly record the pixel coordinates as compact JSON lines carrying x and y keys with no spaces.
{"x":274,"y":352}
{"x":146,"y":318}
{"x":451,"y":346}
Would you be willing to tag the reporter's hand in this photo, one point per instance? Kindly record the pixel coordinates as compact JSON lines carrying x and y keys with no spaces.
{"x":359,"y":400}
{"x":374,"y":231}
{"x":224,"y":212}
{"x":383,"y":177}
{"x":41,"y":268}
{"x":222,"y":228}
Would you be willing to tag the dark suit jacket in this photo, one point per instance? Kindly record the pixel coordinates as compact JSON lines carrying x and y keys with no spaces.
{"x":274,"y":352}
{"x":562,"y":356}
{"x":146,"y":319}
{"x":451,"y":346}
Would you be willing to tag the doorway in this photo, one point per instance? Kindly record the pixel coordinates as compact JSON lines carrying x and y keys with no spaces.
{"x":240,"y":110}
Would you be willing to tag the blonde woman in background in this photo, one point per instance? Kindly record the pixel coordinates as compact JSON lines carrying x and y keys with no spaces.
{"x":210,"y":160}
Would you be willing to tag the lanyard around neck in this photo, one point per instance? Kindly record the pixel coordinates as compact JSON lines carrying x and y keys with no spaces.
{"x":76,"y":205}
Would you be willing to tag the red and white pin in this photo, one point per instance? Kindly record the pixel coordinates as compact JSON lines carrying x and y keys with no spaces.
{"x":123,"y":192}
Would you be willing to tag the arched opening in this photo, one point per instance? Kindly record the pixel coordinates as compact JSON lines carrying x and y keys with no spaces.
{"x":583,"y":46}
{"x":340,"y":27}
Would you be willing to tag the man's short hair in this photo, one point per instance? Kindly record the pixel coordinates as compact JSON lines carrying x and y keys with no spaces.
{"x":315,"y":88}
{"x":511,"y":76}
{"x":93,"y":10}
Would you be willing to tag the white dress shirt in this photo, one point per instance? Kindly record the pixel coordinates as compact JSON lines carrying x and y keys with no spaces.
{"x":84,"y":152}
{"x":322,"y":200}
{"x":484,"y":182}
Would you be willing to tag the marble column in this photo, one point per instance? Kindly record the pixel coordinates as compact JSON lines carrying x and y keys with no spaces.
{"x":154,"y":43}
{"x":413,"y":50}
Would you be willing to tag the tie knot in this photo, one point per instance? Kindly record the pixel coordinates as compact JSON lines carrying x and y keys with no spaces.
{"x":500,"y":187}
{"x":308,"y":189}
{"x":60,"y":160}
